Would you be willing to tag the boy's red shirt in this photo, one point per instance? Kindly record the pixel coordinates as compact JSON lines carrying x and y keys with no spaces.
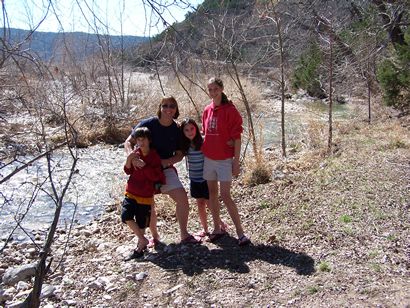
{"x":219,"y":125}
{"x":141,"y":180}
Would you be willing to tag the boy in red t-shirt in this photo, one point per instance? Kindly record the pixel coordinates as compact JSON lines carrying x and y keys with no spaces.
{"x":145,"y":170}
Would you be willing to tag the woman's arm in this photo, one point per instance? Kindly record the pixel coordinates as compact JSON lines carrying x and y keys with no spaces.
{"x":172,"y":160}
{"x":129,"y":144}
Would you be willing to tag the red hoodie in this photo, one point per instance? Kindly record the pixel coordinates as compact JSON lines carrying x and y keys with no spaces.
{"x":141,"y":181}
{"x":219,"y":125}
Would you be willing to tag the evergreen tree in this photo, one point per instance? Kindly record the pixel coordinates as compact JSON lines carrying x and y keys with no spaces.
{"x":394,"y":76}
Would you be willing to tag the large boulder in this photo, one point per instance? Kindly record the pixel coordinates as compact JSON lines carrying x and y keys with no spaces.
{"x":16,"y":274}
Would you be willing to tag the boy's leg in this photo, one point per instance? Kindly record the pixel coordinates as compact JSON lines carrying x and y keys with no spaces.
{"x":231,"y":207}
{"x":140,"y":233}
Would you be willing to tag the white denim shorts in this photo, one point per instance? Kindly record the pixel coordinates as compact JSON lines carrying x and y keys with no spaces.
{"x":172,"y":181}
{"x":218,"y":170}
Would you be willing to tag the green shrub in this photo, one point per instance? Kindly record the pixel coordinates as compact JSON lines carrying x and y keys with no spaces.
{"x":306,"y":74}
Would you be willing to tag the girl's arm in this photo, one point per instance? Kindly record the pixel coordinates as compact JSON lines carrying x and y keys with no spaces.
{"x":235,"y":162}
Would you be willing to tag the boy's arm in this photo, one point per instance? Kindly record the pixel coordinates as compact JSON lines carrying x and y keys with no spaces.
{"x":235,"y":162}
{"x":128,"y":163}
{"x":153,"y":170}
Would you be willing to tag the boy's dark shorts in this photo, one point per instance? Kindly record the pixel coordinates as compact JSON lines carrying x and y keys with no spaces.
{"x":140,"y":213}
{"x":199,"y":190}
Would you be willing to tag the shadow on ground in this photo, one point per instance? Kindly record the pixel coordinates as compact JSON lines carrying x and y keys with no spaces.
{"x":193,"y":259}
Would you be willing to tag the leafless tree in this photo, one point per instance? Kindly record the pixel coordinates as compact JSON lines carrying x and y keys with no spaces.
{"x":275,"y":18}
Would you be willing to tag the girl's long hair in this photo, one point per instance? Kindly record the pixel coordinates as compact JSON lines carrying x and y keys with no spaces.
{"x":185,"y":142}
{"x":219,"y":83}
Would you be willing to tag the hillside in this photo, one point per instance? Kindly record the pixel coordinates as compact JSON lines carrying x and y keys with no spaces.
{"x":51,"y":45}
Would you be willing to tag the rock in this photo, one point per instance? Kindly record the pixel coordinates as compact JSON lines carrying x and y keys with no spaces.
{"x":4,"y":296}
{"x":15,"y":304}
{"x":69,"y":302}
{"x":141,"y":276}
{"x":95,"y":285}
{"x":277,"y":175}
{"x":16,"y":274}
{"x":47,"y":291}
{"x":173,"y":289}
{"x":22,"y":285}
{"x":23,"y":294}
{"x":86,"y":232}
{"x":68,"y":281}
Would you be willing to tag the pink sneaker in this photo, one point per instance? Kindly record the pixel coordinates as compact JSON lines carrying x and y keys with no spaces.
{"x":153,"y":243}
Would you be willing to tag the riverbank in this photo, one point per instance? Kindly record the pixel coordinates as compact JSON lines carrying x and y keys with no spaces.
{"x":327,"y":231}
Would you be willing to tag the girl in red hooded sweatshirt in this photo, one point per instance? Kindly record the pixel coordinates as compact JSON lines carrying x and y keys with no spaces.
{"x":221,"y":124}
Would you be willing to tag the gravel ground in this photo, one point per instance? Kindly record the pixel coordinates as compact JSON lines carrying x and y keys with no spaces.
{"x":327,"y":231}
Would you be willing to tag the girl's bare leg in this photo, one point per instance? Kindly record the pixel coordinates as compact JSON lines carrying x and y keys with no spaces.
{"x":231,"y":207}
{"x":214,"y":205}
{"x":201,"y":203}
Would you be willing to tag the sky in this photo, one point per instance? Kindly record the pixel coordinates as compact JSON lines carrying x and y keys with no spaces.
{"x":129,"y":17}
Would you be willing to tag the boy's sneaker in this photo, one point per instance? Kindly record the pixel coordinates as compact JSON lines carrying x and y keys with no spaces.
{"x":134,"y":255}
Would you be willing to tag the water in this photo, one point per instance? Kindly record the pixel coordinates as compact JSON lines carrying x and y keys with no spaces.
{"x":97,"y":182}
{"x":296,"y":123}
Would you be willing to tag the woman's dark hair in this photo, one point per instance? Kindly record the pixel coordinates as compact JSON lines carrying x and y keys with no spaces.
{"x":220,"y":84}
{"x":172,"y":100}
{"x":185,"y":142}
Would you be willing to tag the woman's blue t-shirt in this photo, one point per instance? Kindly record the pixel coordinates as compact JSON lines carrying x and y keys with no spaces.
{"x":165,"y":139}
